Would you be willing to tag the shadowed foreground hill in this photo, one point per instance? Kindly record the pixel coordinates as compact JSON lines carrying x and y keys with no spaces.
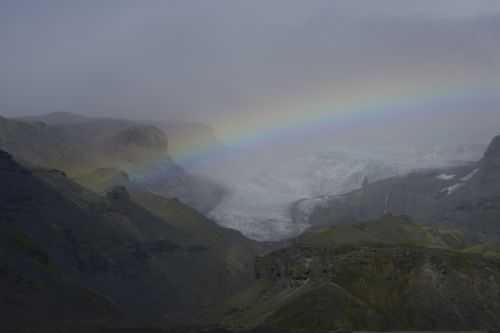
{"x":388,"y":274}
{"x":70,"y":255}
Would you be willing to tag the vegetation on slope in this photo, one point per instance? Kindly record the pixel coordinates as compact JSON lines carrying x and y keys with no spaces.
{"x":388,"y":274}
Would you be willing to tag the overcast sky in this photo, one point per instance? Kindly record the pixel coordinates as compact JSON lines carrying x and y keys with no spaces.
{"x":215,"y":59}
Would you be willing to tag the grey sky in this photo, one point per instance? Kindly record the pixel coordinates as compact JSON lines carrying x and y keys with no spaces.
{"x":211,"y":58}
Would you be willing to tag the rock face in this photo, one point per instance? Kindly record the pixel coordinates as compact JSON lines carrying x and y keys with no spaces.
{"x":356,"y":278}
{"x":490,"y":166}
{"x":466,"y":197}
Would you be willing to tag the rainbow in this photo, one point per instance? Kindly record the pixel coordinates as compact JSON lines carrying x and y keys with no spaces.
{"x":334,"y":106}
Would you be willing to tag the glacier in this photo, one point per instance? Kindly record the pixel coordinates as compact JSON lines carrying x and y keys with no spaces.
{"x":260,"y":195}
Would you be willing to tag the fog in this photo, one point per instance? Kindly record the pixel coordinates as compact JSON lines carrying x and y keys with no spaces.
{"x":286,"y":85}
{"x":210,"y":59}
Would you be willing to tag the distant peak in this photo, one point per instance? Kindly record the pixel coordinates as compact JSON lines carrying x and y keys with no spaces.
{"x":493,"y":151}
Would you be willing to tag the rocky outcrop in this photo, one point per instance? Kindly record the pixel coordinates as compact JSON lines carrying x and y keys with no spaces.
{"x":389,"y":288}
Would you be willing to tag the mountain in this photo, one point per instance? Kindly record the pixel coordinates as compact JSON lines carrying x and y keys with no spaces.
{"x":183,"y":135}
{"x":384,"y":275}
{"x":464,"y":197}
{"x":32,"y":249}
{"x":100,"y":229}
{"x":81,"y":145}
{"x":57,"y":118}
{"x":125,"y":256}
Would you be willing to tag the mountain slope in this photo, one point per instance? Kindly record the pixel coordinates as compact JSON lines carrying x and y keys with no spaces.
{"x":34,"y":288}
{"x":182,"y":135}
{"x":354,"y":277}
{"x":76,"y":147}
{"x":95,"y":256}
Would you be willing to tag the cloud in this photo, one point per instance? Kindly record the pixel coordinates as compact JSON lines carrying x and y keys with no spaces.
{"x":211,"y":58}
{"x":423,"y":9}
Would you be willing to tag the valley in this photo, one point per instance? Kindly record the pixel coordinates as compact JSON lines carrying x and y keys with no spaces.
{"x":246,"y":166}
{"x":117,"y":234}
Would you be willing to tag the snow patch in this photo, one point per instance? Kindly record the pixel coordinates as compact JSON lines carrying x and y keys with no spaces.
{"x":469,"y":176}
{"x":445,"y":176}
{"x":451,"y":189}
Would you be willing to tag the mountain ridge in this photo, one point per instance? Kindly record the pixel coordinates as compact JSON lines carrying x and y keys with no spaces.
{"x":463,"y":197}
{"x":81,"y":147}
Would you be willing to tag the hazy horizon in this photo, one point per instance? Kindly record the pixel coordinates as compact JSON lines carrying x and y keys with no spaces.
{"x":253,"y":69}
